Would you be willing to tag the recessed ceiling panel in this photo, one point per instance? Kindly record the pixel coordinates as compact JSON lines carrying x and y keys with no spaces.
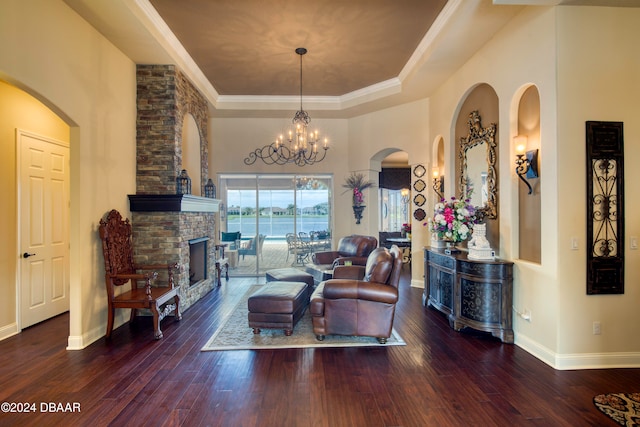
{"x":247,"y":47}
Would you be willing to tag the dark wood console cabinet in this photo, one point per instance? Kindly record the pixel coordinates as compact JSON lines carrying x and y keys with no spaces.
{"x":472,"y":293}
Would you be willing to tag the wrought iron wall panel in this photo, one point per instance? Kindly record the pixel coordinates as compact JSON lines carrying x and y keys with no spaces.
{"x":605,"y":208}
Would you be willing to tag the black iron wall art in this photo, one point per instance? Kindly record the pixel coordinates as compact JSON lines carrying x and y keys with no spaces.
{"x":605,"y":208}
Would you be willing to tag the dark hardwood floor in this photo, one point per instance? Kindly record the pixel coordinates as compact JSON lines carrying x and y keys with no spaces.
{"x":439,"y":378}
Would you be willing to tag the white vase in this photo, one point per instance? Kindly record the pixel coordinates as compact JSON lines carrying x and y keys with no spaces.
{"x":437,"y":243}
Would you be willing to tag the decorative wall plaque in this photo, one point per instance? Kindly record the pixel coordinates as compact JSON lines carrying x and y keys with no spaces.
{"x":419,"y":214}
{"x":419,"y":200}
{"x":419,"y":185}
{"x":605,"y":199}
{"x":419,"y":171}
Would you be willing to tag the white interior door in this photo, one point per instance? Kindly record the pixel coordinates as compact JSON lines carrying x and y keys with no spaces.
{"x":43,"y":217}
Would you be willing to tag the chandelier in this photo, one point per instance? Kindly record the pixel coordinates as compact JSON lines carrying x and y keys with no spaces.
{"x":301,"y":147}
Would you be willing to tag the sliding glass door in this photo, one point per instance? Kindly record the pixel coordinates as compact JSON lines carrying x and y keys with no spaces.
{"x":282,"y":219}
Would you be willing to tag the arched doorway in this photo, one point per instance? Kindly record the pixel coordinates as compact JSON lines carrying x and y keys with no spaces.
{"x":33,"y":133}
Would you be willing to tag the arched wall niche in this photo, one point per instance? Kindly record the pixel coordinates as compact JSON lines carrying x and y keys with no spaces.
{"x":190,"y":103}
{"x":484,"y":99}
{"x":438,"y":166}
{"x":191,"y":152}
{"x":529,"y":205}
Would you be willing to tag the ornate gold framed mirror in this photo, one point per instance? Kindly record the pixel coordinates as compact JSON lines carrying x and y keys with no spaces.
{"x":477,"y":161}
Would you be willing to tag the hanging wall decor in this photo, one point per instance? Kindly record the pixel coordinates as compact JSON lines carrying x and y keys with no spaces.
{"x":419,"y":185}
{"x":419,"y":214}
{"x":419,"y":171}
{"x":605,"y":207}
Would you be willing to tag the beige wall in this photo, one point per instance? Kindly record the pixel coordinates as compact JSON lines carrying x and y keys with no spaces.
{"x":46,"y":49}
{"x":354,"y":143}
{"x":404,"y":128}
{"x":504,"y":65}
{"x":18,"y":110}
{"x":50,"y":52}
{"x":231,"y":140}
{"x":596,"y":82}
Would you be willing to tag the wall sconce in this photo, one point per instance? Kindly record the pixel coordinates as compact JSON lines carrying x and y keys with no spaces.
{"x":438,"y":183}
{"x":526,"y":163}
{"x":404,"y":193}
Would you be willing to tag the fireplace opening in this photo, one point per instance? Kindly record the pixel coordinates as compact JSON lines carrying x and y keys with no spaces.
{"x":197,"y":260}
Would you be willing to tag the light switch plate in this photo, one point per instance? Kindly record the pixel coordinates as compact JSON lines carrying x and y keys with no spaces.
{"x":574,"y":243}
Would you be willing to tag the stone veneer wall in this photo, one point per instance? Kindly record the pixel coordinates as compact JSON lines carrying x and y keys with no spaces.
{"x":163,"y":237}
{"x":164,"y":97}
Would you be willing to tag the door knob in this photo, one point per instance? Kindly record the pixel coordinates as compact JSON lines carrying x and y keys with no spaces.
{"x":27,"y":255}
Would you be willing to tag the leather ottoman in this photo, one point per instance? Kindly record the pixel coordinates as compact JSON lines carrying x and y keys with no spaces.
{"x":278,"y":305}
{"x":290,"y":275}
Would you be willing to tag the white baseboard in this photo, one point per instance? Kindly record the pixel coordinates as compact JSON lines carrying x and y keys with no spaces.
{"x":8,"y":331}
{"x":598,"y":361}
{"x":417,"y":283}
{"x":577,"y":361}
{"x":535,"y":349}
{"x":79,"y":342}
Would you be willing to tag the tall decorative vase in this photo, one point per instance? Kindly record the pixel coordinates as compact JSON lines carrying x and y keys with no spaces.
{"x":357,"y":212}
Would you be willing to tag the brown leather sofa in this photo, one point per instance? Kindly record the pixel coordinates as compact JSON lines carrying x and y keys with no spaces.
{"x":354,"y":248}
{"x":359,"y":301}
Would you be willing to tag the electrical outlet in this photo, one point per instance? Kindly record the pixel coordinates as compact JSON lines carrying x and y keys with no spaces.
{"x":597,"y":328}
{"x":633,"y":242}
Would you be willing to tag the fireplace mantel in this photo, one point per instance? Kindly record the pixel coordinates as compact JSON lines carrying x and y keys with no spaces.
{"x":172,"y":203}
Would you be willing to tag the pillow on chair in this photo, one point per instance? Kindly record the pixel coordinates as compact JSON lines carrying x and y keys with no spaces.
{"x":379,"y":266}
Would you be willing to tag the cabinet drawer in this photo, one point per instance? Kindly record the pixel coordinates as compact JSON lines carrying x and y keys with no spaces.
{"x":492,"y":271}
{"x":442,"y":260}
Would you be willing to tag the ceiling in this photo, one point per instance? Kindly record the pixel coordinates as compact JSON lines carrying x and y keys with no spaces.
{"x":247,"y":47}
{"x":363,"y":55}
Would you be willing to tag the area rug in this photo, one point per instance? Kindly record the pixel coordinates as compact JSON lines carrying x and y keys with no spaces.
{"x":235,"y":334}
{"x":623,"y":408}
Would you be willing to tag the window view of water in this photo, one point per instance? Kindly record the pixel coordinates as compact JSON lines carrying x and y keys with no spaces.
{"x":276,"y":227}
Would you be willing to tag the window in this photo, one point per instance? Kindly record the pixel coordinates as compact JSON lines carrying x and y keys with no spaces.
{"x":393,"y":209}
{"x":271,"y":207}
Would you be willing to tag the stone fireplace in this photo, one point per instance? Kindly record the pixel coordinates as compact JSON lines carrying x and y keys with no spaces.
{"x":165,"y":224}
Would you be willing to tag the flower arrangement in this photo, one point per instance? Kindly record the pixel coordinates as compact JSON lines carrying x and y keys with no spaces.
{"x":452,"y":220}
{"x":406,"y":227}
{"x":358,"y":197}
{"x":357,"y":183}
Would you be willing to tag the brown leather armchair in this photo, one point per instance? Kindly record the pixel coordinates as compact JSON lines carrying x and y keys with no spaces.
{"x":354,"y":248}
{"x":359,"y":301}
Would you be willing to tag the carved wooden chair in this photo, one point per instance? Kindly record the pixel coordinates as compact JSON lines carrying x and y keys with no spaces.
{"x":117,"y":248}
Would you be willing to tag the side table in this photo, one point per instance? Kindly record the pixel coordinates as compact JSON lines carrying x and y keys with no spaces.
{"x":232,"y":254}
